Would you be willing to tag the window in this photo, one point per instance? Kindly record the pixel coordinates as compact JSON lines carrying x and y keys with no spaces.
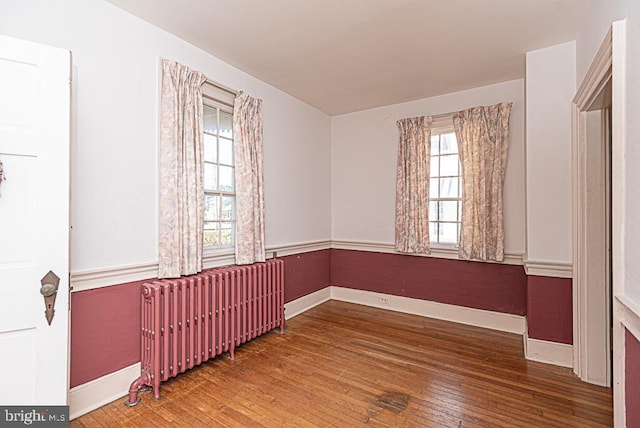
{"x":445,"y":187}
{"x":219,"y":186}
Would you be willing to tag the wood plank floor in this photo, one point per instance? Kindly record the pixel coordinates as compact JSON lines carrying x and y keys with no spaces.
{"x":347,"y":365}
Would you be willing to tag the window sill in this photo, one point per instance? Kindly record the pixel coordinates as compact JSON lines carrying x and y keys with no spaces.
{"x":216,"y":257}
{"x":444,"y":250}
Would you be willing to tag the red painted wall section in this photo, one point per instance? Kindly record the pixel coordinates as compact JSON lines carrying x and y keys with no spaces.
{"x":305,"y":273}
{"x":632,"y":379}
{"x":105,"y":322}
{"x":105,"y":331}
{"x":489,"y":286}
{"x":550,"y":309}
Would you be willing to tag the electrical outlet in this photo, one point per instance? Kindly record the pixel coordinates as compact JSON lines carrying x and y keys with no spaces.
{"x":383,"y":300}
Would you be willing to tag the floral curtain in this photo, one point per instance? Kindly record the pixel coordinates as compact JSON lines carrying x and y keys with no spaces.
{"x":483,"y":141}
{"x":412,"y":185}
{"x":181,"y":221}
{"x":247,"y":150}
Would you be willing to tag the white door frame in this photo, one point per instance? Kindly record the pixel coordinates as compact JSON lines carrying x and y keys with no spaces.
{"x":590,"y":304}
{"x":608,"y":67}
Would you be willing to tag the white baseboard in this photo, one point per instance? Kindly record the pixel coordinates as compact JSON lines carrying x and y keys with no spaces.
{"x":98,"y":392}
{"x":304,"y":303}
{"x":476,"y":317}
{"x":542,"y":351}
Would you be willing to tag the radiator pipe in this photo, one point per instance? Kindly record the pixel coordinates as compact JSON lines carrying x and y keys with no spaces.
{"x":135,"y":388}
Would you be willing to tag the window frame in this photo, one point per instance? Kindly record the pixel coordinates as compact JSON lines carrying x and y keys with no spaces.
{"x":222,"y":100}
{"x":444,"y":125}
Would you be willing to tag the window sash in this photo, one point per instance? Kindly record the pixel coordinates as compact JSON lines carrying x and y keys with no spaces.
{"x":219,"y":232}
{"x":436,"y":224}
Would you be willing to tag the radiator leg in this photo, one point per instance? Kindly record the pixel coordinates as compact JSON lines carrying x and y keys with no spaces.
{"x":232,"y":353}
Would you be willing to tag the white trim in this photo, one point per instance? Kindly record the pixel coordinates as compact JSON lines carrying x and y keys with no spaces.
{"x":304,"y":303}
{"x":98,"y":392}
{"x":442,"y":252}
{"x":618,"y":147}
{"x":587,"y":336}
{"x":558,"y":354}
{"x":98,"y":278}
{"x":546,"y":268}
{"x":299,"y":248}
{"x":105,"y":277}
{"x":469,"y":316}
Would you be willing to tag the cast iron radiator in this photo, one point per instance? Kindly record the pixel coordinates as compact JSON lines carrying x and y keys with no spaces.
{"x":188,"y":320}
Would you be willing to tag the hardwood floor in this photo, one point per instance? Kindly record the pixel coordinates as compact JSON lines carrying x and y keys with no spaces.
{"x":347,"y":365}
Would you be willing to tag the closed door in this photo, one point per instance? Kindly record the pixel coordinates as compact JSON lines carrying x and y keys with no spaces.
{"x":34,"y":222}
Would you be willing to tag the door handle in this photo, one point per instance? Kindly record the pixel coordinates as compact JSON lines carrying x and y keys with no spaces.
{"x":49,"y":290}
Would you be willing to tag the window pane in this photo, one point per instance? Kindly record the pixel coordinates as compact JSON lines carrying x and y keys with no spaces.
{"x":210,"y":119}
{"x":226,"y":234}
{"x":448,"y":165}
{"x":435,"y":140}
{"x":448,"y":233}
{"x":434,"y":170}
{"x":448,"y":143}
{"x":226,"y":178}
{"x":226,"y":151}
{"x":433,"y":210}
{"x":449,"y":187}
{"x":211,"y":207}
{"x":210,"y":176}
{"x":210,"y":154}
{"x":228,"y":207}
{"x":448,"y":210}
{"x":433,"y":187}
{"x":433,"y":231}
{"x":211,"y":235}
{"x":226,"y":124}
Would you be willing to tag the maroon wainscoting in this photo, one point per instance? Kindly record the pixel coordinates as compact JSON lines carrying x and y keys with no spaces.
{"x":632,"y":379}
{"x":305,"y":273}
{"x":105,"y":322}
{"x":105,"y":331}
{"x":490,"y":286}
{"x":550,"y":309}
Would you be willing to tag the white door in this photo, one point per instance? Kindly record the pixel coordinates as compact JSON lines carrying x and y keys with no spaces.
{"x":34,"y":221}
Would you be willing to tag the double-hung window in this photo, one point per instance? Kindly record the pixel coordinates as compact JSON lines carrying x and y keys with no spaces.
{"x":219,"y":186}
{"x":445,"y":187}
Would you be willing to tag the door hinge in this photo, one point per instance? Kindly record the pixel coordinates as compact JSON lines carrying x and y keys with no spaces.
{"x":70,"y":289}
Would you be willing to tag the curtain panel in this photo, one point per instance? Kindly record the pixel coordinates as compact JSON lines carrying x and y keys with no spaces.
{"x":412,"y":185}
{"x":247,"y":150}
{"x":181,"y":210}
{"x":483,"y":142}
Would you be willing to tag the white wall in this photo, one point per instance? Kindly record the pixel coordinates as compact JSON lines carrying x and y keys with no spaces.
{"x":594,"y":27}
{"x":603,"y":13}
{"x":364,"y":152}
{"x":114,"y":132}
{"x":632,"y":154}
{"x":550,"y":88}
